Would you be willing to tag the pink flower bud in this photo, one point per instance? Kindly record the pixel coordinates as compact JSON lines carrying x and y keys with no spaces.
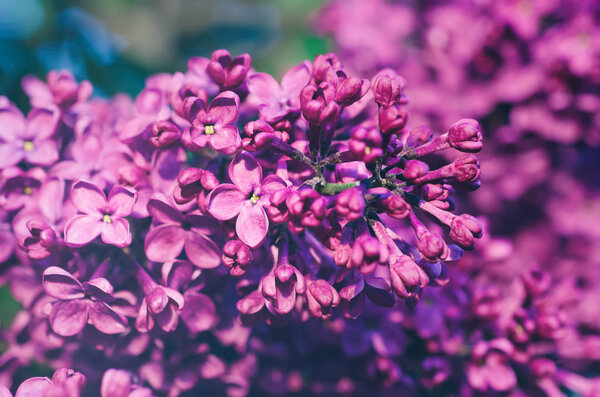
{"x":388,"y":87}
{"x":465,"y":135}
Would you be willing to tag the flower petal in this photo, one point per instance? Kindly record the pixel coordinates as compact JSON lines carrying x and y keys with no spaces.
{"x":224,"y":108}
{"x":51,"y":199}
{"x":226,"y":139}
{"x":116,"y":232}
{"x":264,"y":87}
{"x":164,"y":243}
{"x":163,"y":213}
{"x":294,"y":80}
{"x":10,"y":155}
{"x":88,"y":198}
{"x":68,"y":318}
{"x":115,"y":383}
{"x":270,"y":185}
{"x":41,"y":123}
{"x":33,"y":387}
{"x":106,"y":320}
{"x":81,"y":229}
{"x":245,"y":172}
{"x":225,"y":201}
{"x":168,"y":319}
{"x":12,"y":123}
{"x":202,"y":251}
{"x":252,"y":224}
{"x":121,"y":200}
{"x":199,"y":312}
{"x":60,"y":284}
{"x":44,"y":153}
{"x":144,"y":321}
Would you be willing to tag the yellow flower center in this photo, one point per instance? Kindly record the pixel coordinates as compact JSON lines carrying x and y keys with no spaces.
{"x":209,"y":129}
{"x":368,"y":150}
{"x":106,"y":219}
{"x":28,"y":146}
{"x":27,"y":190}
{"x":254,"y":198}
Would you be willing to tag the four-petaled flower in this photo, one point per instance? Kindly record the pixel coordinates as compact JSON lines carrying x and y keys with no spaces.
{"x":245,"y":198}
{"x":213,"y":125}
{"x":100,"y":216}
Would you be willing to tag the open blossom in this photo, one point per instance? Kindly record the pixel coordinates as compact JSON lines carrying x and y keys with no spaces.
{"x":27,"y":139}
{"x":99,"y":215}
{"x":174,"y":232}
{"x":213,"y":124}
{"x":79,"y":304}
{"x":278,"y":101}
{"x":245,"y":198}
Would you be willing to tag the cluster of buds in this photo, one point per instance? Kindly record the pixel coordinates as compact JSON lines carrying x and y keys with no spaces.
{"x":119,"y":214}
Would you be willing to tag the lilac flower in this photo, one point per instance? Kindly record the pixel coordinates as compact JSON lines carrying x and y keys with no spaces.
{"x":119,"y":383}
{"x":245,"y":198}
{"x":61,"y":90}
{"x":173,"y":232}
{"x":213,"y":125}
{"x":100,"y":216}
{"x":226,"y":72}
{"x":27,"y":139}
{"x":277,"y":101}
{"x":79,"y":304}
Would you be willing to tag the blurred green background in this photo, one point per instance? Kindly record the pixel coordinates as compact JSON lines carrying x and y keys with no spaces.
{"x":117,"y":43}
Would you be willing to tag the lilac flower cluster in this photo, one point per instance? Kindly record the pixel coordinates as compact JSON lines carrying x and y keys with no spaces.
{"x":116,"y":216}
{"x":519,"y":316}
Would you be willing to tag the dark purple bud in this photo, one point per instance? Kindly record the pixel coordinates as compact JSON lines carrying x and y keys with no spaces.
{"x":366,"y":143}
{"x":464,"y":229}
{"x":351,"y":90}
{"x":317,"y":103}
{"x":465,"y":168}
{"x":164,"y":134}
{"x":392,"y":119}
{"x":388,"y":87}
{"x":260,"y":135}
{"x":321,"y":298}
{"x":395,"y":206}
{"x":281,"y":286}
{"x":41,"y":243}
{"x":406,"y":276}
{"x":350,"y":204}
{"x":236,"y":256}
{"x":226,"y":72}
{"x":465,"y":135}
{"x":187,"y":90}
{"x":324,"y":64}
{"x":307,"y":208}
{"x":415,"y":169}
{"x":277,"y":208}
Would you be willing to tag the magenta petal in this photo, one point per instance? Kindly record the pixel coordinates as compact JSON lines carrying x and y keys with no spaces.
{"x":245,"y":172}
{"x":12,"y":124}
{"x":272,"y":113}
{"x":163,"y":212}
{"x":175,"y":297}
{"x":164,"y":243}
{"x":44,"y":153}
{"x":252,"y":224}
{"x":41,"y":123}
{"x":295,"y":79}
{"x":10,"y":155}
{"x":121,"y":200}
{"x":202,"y":251}
{"x":224,"y":108}
{"x":51,"y":198}
{"x":88,"y":198}
{"x":60,"y":284}
{"x":270,"y":185}
{"x":68,"y":169}
{"x":144,"y":321}
{"x":264,"y":87}
{"x":68,"y":318}
{"x":106,"y":320}
{"x":81,"y":229}
{"x":195,"y":110}
{"x":115,"y":383}
{"x":199,"y":312}
{"x":33,"y":387}
{"x":168,"y":319}
{"x":226,"y":201}
{"x":226,"y":139}
{"x":116,"y":232}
